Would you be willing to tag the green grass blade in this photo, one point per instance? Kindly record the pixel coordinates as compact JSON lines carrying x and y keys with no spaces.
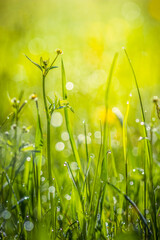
{"x":149,"y":152}
{"x":125,"y":154}
{"x":107,"y":104}
{"x":68,"y":124}
{"x":38,"y":156}
{"x":134,"y":206}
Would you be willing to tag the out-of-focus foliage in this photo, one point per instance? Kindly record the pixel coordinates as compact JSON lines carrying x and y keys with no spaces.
{"x":89,"y":32}
{"x":112,"y":182}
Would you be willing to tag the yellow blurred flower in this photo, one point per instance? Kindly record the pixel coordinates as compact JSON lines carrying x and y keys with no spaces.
{"x":112,"y":116}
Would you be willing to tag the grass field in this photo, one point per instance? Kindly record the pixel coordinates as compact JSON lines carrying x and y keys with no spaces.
{"x":79,"y":122}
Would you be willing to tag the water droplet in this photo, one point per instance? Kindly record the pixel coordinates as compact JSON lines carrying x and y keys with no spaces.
{"x":130,"y":94}
{"x":81,"y":138}
{"x":74,"y":166}
{"x":28,"y":159}
{"x":89,"y":140}
{"x":97,"y":134}
{"x":60,"y":218}
{"x":137,"y":120}
{"x":56,"y":119}
{"x":142,"y":123}
{"x":134,"y":170}
{"x":153,"y":119}
{"x":127,"y":102}
{"x":69,"y":86}
{"x":131,"y":183}
{"x":65,"y":136}
{"x":6,"y":214}
{"x":59,"y":146}
{"x":58,"y":209}
{"x":42,"y":179}
{"x":51,"y":189}
{"x":28,"y":226}
{"x":140,"y":138}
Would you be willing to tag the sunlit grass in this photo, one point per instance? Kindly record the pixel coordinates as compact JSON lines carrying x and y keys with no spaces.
{"x":90,"y":194}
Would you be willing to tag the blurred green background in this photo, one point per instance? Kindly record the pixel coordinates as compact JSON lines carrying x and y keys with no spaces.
{"x":89,"y":33}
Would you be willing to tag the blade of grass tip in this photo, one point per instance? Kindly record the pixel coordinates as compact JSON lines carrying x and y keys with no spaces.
{"x":149,"y":153}
{"x":68,"y":124}
{"x":107,"y":99}
{"x":134,"y":206}
{"x":125,"y":154}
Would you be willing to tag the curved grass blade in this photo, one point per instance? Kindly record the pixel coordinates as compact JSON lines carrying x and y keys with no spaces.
{"x":149,"y":152}
{"x":134,"y":206}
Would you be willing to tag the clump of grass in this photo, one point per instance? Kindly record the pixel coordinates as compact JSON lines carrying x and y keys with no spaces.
{"x":91,"y":199}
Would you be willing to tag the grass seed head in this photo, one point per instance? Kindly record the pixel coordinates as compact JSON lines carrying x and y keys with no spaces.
{"x":59,"y":51}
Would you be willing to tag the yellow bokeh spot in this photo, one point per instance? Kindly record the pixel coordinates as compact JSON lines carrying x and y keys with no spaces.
{"x":110,"y":117}
{"x":154,"y":9}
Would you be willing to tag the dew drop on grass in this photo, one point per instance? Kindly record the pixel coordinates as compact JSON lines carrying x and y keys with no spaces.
{"x":65,"y":136}
{"x":58,"y":209}
{"x":42,"y":179}
{"x":56,"y":119}
{"x":68,"y":197}
{"x":28,"y":159}
{"x":74,"y":166}
{"x":148,"y":128}
{"x":89,"y":140}
{"x":69,"y":86}
{"x":6,"y":214}
{"x":51,"y":189}
{"x":81,"y":138}
{"x":97,"y":134}
{"x":60,"y":217}
{"x":131,"y":183}
{"x":28,"y":226}
{"x":59,"y":146}
{"x":142,"y":123}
